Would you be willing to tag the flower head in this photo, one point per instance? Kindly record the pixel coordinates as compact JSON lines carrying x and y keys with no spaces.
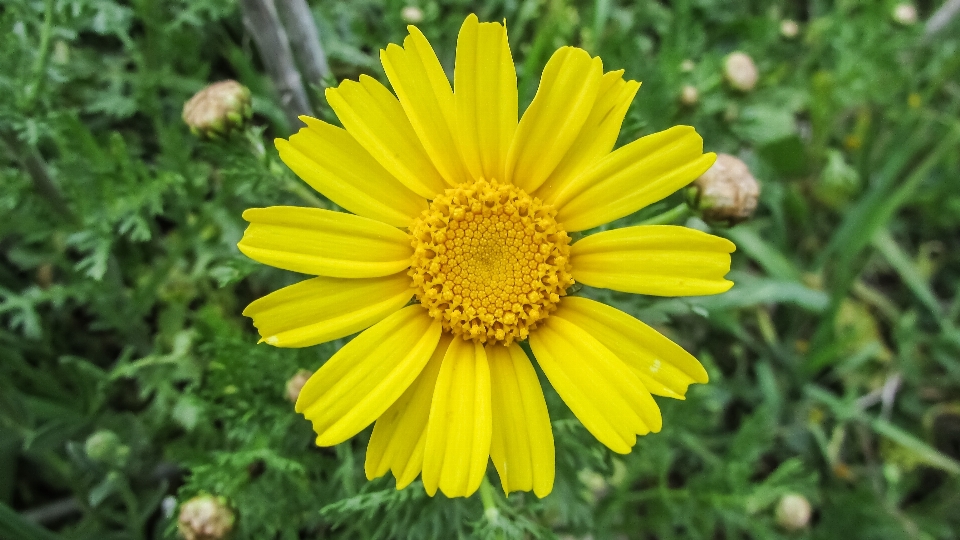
{"x":905,"y":14}
{"x":793,"y":512}
{"x":206,"y":517}
{"x":411,"y":14}
{"x":789,"y":28}
{"x":467,"y":210}
{"x":295,"y":384}
{"x":740,"y":71}
{"x":726,"y":193}
{"x":689,"y":95}
{"x":218,"y":109}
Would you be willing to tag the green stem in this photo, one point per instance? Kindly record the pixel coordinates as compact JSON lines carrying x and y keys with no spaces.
{"x":307,"y":196}
{"x":670,"y":216}
{"x":133,"y":508}
{"x":487,"y":496}
{"x":490,"y":511}
{"x":43,"y":54}
{"x":290,"y":184}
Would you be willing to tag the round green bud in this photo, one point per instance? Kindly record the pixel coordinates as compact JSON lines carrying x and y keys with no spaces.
{"x":838,"y":181}
{"x":105,"y":447}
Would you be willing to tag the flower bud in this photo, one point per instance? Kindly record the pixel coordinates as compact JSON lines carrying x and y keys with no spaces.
{"x":295,"y":384}
{"x":218,"y":109}
{"x":726,"y":193}
{"x":689,"y":95}
{"x":205,"y":517}
{"x":905,"y":14}
{"x":105,"y":447}
{"x":687,"y":66}
{"x":838,"y":182}
{"x":411,"y":14}
{"x":740,"y":71}
{"x":793,"y":512}
{"x":789,"y":28}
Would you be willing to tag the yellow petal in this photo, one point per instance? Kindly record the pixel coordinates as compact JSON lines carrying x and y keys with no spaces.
{"x":424,"y":92}
{"x":377,"y":121}
{"x":325,"y":308}
{"x":459,"y":429}
{"x":522,"y":444}
{"x":333,"y":163}
{"x":324,"y":243}
{"x":364,"y":378}
{"x":631,"y":177}
{"x":567,"y":92}
{"x":661,"y":260}
{"x":598,"y":134}
{"x":485,"y":97}
{"x":400,"y":435}
{"x":599,"y":388}
{"x":662,"y":365}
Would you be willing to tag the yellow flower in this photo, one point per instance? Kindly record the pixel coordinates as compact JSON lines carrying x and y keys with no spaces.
{"x":460,"y":207}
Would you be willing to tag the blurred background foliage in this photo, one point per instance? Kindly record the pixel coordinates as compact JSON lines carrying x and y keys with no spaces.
{"x":130,"y":383}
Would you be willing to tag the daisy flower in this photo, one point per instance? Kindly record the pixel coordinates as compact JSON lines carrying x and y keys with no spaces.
{"x":457,"y":247}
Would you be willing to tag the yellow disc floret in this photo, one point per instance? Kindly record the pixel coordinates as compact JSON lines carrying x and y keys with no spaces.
{"x":489,"y":261}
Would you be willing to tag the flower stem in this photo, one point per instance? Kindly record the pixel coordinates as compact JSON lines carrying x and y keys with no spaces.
{"x":43,"y":54}
{"x":489,"y":499}
{"x":292,"y":185}
{"x":670,"y":216}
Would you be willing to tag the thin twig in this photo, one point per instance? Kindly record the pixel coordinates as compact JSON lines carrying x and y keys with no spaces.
{"x":305,"y":39}
{"x":261,"y":20}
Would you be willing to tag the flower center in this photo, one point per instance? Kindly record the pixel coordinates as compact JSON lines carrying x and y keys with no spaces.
{"x":489,"y":261}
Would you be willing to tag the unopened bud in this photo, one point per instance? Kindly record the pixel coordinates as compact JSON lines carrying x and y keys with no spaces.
{"x":218,"y":109}
{"x":838,"y":182}
{"x":726,"y":193}
{"x":789,"y":28}
{"x":295,"y":384}
{"x":740,"y":71}
{"x":687,"y":66}
{"x":105,"y":447}
{"x":205,"y":517}
{"x":411,"y":14}
{"x":793,"y":512}
{"x":905,"y":14}
{"x":689,"y":95}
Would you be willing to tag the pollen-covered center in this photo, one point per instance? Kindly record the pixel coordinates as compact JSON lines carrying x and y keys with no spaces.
{"x":489,"y":261}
